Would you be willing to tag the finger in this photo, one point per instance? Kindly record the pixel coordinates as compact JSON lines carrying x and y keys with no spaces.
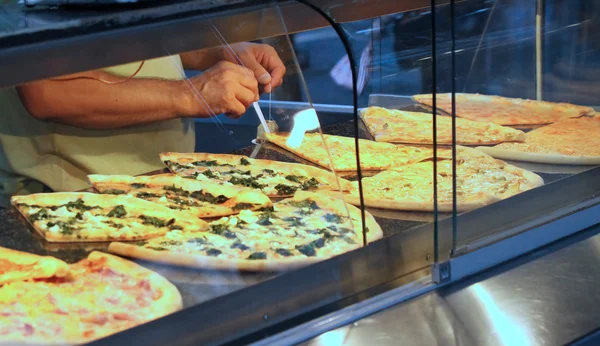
{"x":236,"y":110}
{"x":250,"y":83}
{"x":245,"y":96}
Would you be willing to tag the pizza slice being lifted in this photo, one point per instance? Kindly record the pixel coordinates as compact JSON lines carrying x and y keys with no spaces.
{"x":84,"y":217}
{"x":396,"y":126}
{"x":274,"y":178}
{"x":204,"y":199}
{"x":505,"y":110}
{"x":21,"y":266}
{"x":374,"y":156}
{"x":297,"y":231}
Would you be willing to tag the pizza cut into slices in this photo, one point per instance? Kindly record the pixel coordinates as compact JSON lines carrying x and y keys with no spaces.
{"x":504,"y":110}
{"x":480,"y":180}
{"x":374,"y":156}
{"x":103,"y":295}
{"x":276,"y":179}
{"x":297,"y":231}
{"x":85,"y":217}
{"x":396,"y":126}
{"x":21,"y":266}
{"x":203,"y":198}
{"x":568,"y":142}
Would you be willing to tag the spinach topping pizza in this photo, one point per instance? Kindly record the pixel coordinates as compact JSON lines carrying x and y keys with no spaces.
{"x":294,"y":232}
{"x":82,"y":217}
{"x":276,"y":179}
{"x":204,"y":199}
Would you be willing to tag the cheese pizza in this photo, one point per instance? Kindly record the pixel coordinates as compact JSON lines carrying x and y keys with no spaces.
{"x":569,"y":142}
{"x":480,"y":180}
{"x":83,"y":217}
{"x":504,"y":110}
{"x":396,"y":126}
{"x":102,"y":295}
{"x":276,"y":179}
{"x":297,"y":231}
{"x":374,"y":156}
{"x":204,"y":199}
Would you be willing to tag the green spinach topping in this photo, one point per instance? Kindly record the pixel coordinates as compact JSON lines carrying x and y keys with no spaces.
{"x":205,"y":163}
{"x":241,"y":206}
{"x":156,"y":221}
{"x":78,"y":204}
{"x":334,"y":218}
{"x":170,"y":243}
{"x":177,"y":190}
{"x":138,"y":185}
{"x":115,"y":192}
{"x":248,"y":182}
{"x":283,"y":189}
{"x":118,"y":212}
{"x":197,"y":241}
{"x":307,"y":203}
{"x":157,"y":248}
{"x":244,"y":161}
{"x":140,"y":242}
{"x":209,"y":174}
{"x":310,"y":248}
{"x":145,"y":195}
{"x":238,"y":245}
{"x":207,"y":197}
{"x":113,"y":224}
{"x":175,"y":165}
{"x":213,"y":252}
{"x":284,"y":252}
{"x":257,"y":256}
{"x":294,"y":221}
{"x":41,"y":214}
{"x":222,"y":230}
{"x":294,"y":178}
{"x":239,"y":171}
{"x":309,"y":184}
{"x":175,"y":228}
{"x":65,"y":227}
{"x":268,"y":171}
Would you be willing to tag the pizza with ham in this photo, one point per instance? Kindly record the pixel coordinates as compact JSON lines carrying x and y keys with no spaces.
{"x":568,"y":142}
{"x":274,"y":178}
{"x":297,"y":231}
{"x":396,"y":126}
{"x":504,"y":110}
{"x":374,"y":156}
{"x":100,"y":296}
{"x":85,"y":217}
{"x":480,"y":180}
{"x":204,"y":199}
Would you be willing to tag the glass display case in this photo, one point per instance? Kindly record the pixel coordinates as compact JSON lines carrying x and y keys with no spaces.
{"x":268,"y":163}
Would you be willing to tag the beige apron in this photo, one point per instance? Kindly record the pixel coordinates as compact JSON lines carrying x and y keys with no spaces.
{"x":36,"y":156}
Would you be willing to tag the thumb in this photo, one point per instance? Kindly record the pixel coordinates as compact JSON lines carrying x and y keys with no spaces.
{"x":260,"y":73}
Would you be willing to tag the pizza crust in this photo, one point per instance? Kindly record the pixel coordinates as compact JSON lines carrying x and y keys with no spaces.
{"x":556,"y":159}
{"x":33,"y":266}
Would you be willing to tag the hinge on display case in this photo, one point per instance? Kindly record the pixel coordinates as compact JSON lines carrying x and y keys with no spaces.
{"x":441,"y":272}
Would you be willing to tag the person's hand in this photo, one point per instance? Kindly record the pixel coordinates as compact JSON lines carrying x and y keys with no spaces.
{"x":224,"y":88}
{"x":262,"y":59}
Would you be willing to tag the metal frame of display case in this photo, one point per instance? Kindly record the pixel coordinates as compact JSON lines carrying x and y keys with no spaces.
{"x":316,"y":298}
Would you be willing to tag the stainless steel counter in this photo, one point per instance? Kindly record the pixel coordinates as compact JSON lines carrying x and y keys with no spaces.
{"x":549,"y":297}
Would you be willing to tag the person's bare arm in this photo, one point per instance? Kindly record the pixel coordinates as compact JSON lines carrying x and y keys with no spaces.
{"x":92,"y":104}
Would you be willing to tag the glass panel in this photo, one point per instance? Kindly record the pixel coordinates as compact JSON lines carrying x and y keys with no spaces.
{"x":512,"y":71}
{"x":150,"y":137}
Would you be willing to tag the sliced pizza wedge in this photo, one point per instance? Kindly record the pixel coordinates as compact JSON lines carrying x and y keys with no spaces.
{"x":297,"y":231}
{"x":480,"y":180}
{"x":21,"y":266}
{"x":505,"y":110}
{"x":203,"y":198}
{"x":396,"y":126}
{"x":85,"y":217}
{"x":568,"y":142}
{"x":274,"y":178}
{"x":374,"y":156}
